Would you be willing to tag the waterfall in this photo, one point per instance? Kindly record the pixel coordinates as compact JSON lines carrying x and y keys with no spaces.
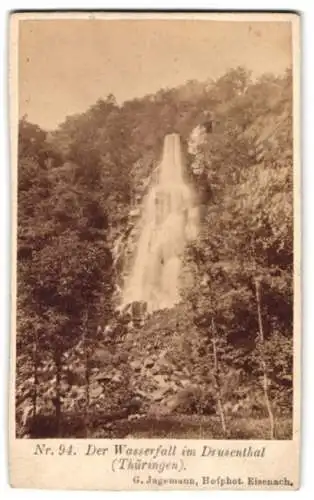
{"x":169,"y":220}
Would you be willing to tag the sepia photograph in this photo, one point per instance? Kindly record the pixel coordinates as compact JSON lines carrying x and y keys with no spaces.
{"x":155,"y":228}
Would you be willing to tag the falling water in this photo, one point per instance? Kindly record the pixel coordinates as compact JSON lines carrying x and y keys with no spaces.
{"x":169,"y":221}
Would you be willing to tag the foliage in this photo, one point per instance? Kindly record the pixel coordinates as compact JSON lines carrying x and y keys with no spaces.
{"x":77,"y":190}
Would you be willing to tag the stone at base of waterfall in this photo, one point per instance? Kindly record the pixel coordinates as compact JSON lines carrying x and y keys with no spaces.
{"x":96,"y":391}
{"x":159,"y":394}
{"x":136,"y":365}
{"x":139,"y":392}
{"x":156,"y":370}
{"x":134,"y":416}
{"x":185,"y":383}
{"x":148,"y":363}
{"x":103,"y":377}
{"x":159,"y":409}
{"x":161,"y":380}
{"x":162,"y":368}
{"x":181,"y":397}
{"x":117,"y":378}
{"x":174,"y":385}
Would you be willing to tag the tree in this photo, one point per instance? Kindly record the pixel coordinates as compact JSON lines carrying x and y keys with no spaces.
{"x":64,"y":265}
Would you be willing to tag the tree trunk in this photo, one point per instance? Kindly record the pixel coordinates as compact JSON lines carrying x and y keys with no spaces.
{"x":220,"y":409}
{"x":87,"y":373}
{"x":35,"y":373}
{"x":57,"y":400}
{"x":263,"y":363}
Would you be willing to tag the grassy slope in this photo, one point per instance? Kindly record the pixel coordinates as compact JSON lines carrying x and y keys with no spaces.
{"x":195,"y":427}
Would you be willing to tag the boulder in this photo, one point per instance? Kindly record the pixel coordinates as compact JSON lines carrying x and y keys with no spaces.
{"x":172,"y":403}
{"x":134,"y":416}
{"x":136,"y":365}
{"x":160,"y":380}
{"x":158,"y":410}
{"x":117,"y":378}
{"x":185,"y":383}
{"x":184,"y":399}
{"x":103,"y":377}
{"x":159,"y":394}
{"x":148,"y":363}
{"x":174,"y":386}
{"x":139,"y":392}
{"x":96,"y":392}
{"x":134,"y":405}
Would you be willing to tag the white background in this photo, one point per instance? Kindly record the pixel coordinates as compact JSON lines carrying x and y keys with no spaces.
{"x":307,"y":31}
